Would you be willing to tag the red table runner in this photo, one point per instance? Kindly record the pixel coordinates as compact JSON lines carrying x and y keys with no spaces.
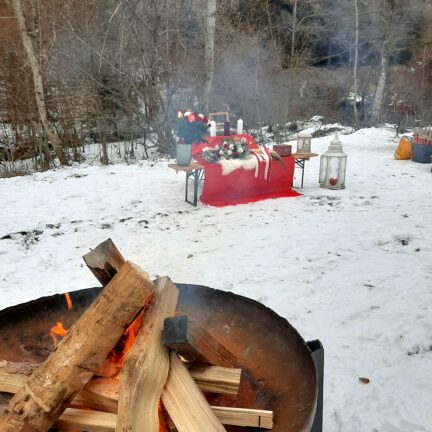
{"x":241,"y":186}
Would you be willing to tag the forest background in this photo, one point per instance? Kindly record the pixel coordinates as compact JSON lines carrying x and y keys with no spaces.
{"x":75,"y":72}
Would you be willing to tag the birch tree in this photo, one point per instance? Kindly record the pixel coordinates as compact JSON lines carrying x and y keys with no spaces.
{"x":356,"y":52}
{"x":33,"y":61}
{"x":209,"y":50}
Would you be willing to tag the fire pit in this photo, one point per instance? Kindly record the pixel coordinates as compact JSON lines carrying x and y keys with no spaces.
{"x":278,"y":369}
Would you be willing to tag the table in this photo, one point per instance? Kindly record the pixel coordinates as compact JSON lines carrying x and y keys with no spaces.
{"x":194,"y":172}
{"x":300,"y":160}
{"x":241,"y":185}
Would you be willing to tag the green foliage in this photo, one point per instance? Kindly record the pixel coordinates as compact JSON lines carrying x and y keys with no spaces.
{"x":191,"y":132}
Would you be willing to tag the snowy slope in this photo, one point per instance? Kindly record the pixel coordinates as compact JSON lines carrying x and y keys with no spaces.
{"x":352,"y":268}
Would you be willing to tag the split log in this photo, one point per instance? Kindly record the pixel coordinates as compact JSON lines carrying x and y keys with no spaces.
{"x":145,"y":370}
{"x":47,"y":392}
{"x":216,"y":379}
{"x":86,"y":420}
{"x":97,"y":421}
{"x":185,"y":403}
{"x":13,"y":375}
{"x":194,"y":343}
{"x":102,"y":394}
{"x":244,"y":417}
{"x":104,"y":261}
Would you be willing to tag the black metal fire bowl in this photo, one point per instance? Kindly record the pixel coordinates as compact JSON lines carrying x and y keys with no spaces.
{"x":278,"y":370}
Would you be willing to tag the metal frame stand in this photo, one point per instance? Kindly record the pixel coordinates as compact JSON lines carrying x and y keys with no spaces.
{"x":196,"y":176}
{"x":300,"y":163}
{"x":317,"y":352}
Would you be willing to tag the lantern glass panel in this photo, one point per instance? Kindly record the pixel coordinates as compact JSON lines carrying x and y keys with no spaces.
{"x":323,"y":170}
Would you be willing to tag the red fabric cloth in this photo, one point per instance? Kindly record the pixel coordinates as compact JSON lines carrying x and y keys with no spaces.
{"x":241,"y":186}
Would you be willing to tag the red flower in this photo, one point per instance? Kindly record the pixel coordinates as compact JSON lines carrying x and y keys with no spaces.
{"x":225,"y":146}
{"x":191,"y":118}
{"x":235,"y":154}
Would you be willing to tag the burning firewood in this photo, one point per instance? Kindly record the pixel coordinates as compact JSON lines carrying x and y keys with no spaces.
{"x":149,"y":373}
{"x":47,"y":392}
{"x":184,"y":402}
{"x":146,"y":367}
{"x":195,"y":343}
{"x":104,"y":261}
{"x":101,"y":394}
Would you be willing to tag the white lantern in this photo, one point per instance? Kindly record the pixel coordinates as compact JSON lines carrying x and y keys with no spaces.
{"x":304,"y":139}
{"x":333,"y":166}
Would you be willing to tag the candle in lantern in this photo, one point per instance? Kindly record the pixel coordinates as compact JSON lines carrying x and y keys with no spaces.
{"x":226,"y":128}
{"x":239,"y":126}
{"x":212,"y":128}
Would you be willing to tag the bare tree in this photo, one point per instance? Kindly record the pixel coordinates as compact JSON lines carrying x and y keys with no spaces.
{"x":34,"y":63}
{"x":355,"y":68}
{"x":209,"y":50}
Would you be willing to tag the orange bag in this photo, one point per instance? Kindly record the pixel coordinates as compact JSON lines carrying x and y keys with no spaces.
{"x":404,"y":149}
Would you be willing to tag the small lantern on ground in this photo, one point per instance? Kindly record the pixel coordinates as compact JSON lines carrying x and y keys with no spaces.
{"x":333,"y":166}
{"x":304,"y":139}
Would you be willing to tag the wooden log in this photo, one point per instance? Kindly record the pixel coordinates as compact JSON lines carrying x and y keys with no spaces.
{"x":146,"y":366}
{"x":195,"y":343}
{"x":104,"y":261}
{"x":86,"y":420}
{"x":101,"y":394}
{"x":216,"y":379}
{"x":46,"y":393}
{"x":185,"y":403}
{"x":97,"y":421}
{"x":244,"y":417}
{"x":13,"y":375}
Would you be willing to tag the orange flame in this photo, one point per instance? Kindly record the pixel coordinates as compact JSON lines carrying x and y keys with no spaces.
{"x":113,"y":363}
{"x":57,"y":330}
{"x":68,"y":301}
{"x":162,"y":420}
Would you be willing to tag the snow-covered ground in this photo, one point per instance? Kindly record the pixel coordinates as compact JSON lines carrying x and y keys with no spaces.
{"x":352,"y":268}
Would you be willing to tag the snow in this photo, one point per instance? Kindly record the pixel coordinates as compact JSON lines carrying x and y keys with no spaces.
{"x":352,"y":268}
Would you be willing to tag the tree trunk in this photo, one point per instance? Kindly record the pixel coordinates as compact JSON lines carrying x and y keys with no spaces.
{"x":356,"y":116}
{"x":293,"y":31}
{"x":209,"y":50}
{"x":379,"y":93}
{"x":35,"y":68}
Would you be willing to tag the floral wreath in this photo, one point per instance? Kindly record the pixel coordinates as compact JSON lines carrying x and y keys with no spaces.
{"x":235,"y":148}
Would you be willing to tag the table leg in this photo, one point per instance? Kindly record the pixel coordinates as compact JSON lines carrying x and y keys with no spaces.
{"x":300,"y":163}
{"x":186,"y":187}
{"x":197,"y":176}
{"x":302,"y":174}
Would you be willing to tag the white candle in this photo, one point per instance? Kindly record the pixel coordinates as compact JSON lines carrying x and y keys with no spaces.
{"x":212,"y":128}
{"x":239,"y":126}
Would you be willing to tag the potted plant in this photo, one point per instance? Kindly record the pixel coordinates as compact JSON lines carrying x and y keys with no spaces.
{"x":191,"y":129}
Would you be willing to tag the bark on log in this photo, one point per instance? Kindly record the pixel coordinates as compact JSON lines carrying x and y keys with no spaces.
{"x":102,"y":394}
{"x":56,"y":382}
{"x":185,"y":403}
{"x":104,"y":261}
{"x":195,"y":343}
{"x":145,"y":370}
